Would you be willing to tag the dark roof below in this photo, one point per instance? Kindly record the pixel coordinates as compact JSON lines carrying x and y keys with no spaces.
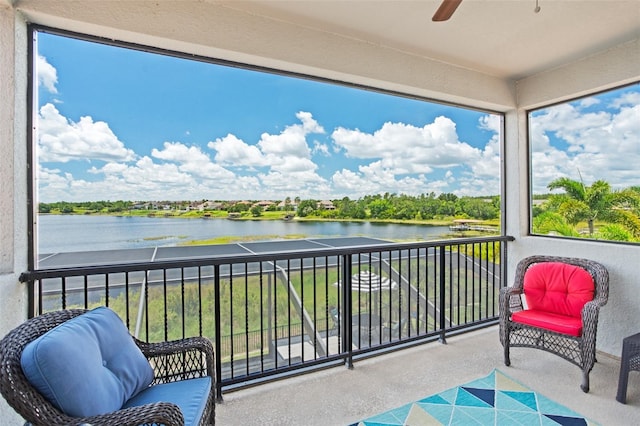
{"x":153,"y":254}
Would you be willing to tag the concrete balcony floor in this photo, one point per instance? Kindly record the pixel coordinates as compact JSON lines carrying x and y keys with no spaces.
{"x":339,"y":396}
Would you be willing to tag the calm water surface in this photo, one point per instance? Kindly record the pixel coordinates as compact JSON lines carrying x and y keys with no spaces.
{"x":67,"y":233}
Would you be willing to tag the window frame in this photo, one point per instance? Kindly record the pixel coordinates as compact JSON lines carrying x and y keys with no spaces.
{"x":32,"y":110}
{"x":529,"y":142}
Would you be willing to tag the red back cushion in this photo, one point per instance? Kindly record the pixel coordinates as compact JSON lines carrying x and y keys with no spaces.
{"x":558,"y":288}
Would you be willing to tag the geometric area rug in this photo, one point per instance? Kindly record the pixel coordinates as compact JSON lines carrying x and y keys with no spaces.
{"x":495,"y":399}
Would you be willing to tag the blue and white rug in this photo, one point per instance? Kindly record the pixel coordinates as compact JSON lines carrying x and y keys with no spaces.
{"x":495,"y":399}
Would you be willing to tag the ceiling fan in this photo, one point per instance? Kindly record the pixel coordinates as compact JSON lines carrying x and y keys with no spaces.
{"x":446,"y":9}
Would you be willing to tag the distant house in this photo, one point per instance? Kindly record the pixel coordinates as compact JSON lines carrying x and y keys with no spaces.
{"x":265,"y":204}
{"x":210,"y":205}
{"x":326,"y":205}
{"x":284,"y":206}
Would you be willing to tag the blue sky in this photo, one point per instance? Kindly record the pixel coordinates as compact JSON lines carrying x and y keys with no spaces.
{"x":116,"y":124}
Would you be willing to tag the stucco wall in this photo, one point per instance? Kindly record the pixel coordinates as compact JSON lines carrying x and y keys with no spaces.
{"x":13,"y":183}
{"x":13,"y":172}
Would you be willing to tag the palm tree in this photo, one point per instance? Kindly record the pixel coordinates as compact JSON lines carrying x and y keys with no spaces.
{"x":596,"y":202}
{"x":554,"y":224}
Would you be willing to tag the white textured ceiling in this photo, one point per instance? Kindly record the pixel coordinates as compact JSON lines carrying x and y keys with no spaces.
{"x":502,"y":38}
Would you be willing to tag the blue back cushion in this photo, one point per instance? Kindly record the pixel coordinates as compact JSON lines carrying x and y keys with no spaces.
{"x":88,"y":365}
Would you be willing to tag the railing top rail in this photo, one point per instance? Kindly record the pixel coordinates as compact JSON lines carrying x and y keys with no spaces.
{"x":231,"y":259}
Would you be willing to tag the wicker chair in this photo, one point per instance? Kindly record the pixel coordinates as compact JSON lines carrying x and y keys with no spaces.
{"x":171,"y":361}
{"x":579,"y":350}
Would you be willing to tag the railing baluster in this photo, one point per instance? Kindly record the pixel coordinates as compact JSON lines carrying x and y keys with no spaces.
{"x":441,"y":299}
{"x":262,"y":335}
{"x":146,"y":311}
{"x":401,"y":308}
{"x":217,"y":335}
{"x":164,"y":295}
{"x":106,"y":289}
{"x":347,"y":314}
{"x":200,"y":325}
{"x":64,"y":292}
{"x":274,"y":340}
{"x":184,"y":334}
{"x":288,"y":278}
{"x":86,"y":291}
{"x":126,"y":299}
{"x":460,"y":260}
{"x":466,"y":285}
{"x":246,"y":319}
{"x":232,"y":351}
{"x":473,"y":283}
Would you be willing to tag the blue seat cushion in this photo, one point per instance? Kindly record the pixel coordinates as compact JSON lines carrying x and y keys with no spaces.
{"x":189,"y":395}
{"x":88,"y":365}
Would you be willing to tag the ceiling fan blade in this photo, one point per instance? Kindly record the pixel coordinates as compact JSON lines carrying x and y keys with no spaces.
{"x":446,"y":9}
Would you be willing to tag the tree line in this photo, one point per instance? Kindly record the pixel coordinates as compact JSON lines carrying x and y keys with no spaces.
{"x":388,"y":206}
{"x":579,"y":210}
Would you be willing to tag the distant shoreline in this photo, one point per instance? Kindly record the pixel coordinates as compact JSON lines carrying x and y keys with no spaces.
{"x":280,"y":216}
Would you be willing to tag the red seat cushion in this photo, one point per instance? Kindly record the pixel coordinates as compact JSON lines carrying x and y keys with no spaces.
{"x":549,"y":321}
{"x":558,"y":288}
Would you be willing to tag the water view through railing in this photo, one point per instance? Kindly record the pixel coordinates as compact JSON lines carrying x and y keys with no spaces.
{"x":279,"y":312}
{"x":62,"y":233}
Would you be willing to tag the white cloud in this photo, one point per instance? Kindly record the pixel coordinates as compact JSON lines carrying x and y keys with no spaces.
{"x":321,"y":149}
{"x":47,"y":74}
{"x":405,"y":149}
{"x":488,"y":164}
{"x":403,"y":157}
{"x":234,"y":152}
{"x":401,"y":151}
{"x":626,"y":99}
{"x":143,"y":180}
{"x":192,"y":160}
{"x":278,"y":181}
{"x":570,"y":124}
{"x":292,"y":164}
{"x":62,"y":140}
{"x":146,"y":174}
{"x":491,"y":122}
{"x":590,"y":101}
{"x":287,"y":151}
{"x":292,"y":141}
{"x":285,"y":156}
{"x":567,"y":142}
{"x":55,"y":181}
{"x":374,"y":179}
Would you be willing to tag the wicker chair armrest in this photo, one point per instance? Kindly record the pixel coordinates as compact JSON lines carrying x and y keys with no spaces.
{"x":201,"y":344}
{"x":164,"y":413}
{"x":511,"y":291}
{"x":590,"y":312}
{"x":173,"y":347}
{"x":510,"y":300}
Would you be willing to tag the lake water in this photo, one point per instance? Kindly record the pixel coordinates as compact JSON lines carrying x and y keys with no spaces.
{"x":67,"y":233}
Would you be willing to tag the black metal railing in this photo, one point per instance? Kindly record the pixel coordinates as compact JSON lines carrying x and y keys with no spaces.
{"x":277,"y":313}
